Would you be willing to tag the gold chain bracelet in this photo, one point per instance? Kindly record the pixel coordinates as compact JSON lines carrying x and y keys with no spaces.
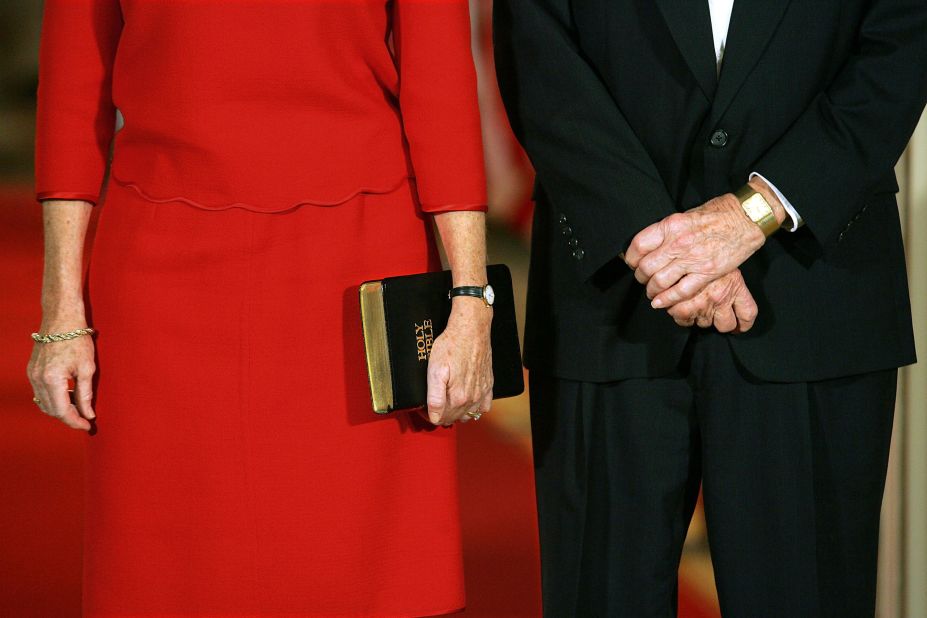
{"x":52,"y":337}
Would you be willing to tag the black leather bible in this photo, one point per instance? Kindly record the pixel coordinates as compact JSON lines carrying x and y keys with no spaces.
{"x":402,"y":316}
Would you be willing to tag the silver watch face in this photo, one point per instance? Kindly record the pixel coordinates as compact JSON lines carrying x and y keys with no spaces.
{"x":489,"y":295}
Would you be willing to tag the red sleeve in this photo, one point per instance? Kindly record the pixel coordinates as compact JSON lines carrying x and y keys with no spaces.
{"x":76,"y":117}
{"x":438,"y":99}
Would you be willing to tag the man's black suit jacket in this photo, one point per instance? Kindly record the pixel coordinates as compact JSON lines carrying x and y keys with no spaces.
{"x":620,"y":108}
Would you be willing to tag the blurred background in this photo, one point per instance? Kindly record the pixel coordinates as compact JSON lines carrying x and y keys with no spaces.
{"x":41,"y":468}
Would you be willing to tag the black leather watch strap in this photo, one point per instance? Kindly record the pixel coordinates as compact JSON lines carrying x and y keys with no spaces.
{"x":466,"y":290}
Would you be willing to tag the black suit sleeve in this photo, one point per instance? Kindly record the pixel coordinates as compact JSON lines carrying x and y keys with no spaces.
{"x":589,"y":163}
{"x":853,"y":133}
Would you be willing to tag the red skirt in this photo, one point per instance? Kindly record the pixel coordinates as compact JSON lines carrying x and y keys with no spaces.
{"x":238,"y":469}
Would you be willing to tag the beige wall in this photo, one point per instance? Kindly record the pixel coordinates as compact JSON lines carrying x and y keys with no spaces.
{"x":903,"y":568}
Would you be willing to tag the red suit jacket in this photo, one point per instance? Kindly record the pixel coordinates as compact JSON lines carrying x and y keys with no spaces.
{"x":262,"y":104}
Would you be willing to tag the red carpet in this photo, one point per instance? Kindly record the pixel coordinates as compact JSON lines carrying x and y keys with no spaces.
{"x":41,"y":479}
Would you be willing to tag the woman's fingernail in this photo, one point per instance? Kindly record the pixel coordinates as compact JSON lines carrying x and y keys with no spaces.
{"x":657,"y":303}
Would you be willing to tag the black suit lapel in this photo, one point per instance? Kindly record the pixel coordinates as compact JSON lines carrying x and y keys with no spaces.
{"x":753,"y":23}
{"x":689,"y":22}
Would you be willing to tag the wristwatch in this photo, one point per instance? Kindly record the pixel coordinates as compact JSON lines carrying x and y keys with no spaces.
{"x":485,"y":292}
{"x":757,"y":209}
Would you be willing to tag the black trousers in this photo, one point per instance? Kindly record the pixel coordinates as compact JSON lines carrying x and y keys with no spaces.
{"x":792,"y":475}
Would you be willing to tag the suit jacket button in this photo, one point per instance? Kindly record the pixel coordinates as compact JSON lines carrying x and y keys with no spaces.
{"x":574,"y":242}
{"x":563,"y":219}
{"x":566,"y":230}
{"x":579,"y":254}
{"x":719,"y":138}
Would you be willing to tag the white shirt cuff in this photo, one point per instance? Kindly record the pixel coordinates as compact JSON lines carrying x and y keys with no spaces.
{"x":797,"y":221}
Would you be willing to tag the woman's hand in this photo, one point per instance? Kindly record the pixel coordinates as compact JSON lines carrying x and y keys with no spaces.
{"x":460,"y":367}
{"x":53,"y":364}
{"x":51,"y":367}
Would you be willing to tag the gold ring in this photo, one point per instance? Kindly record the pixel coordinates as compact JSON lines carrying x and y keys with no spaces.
{"x":475,"y":415}
{"x":37,"y":401}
